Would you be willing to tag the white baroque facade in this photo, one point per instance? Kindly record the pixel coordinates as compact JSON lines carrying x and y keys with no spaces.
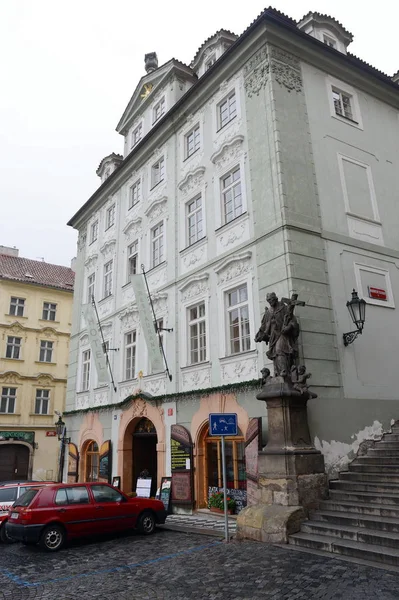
{"x":268,"y":164}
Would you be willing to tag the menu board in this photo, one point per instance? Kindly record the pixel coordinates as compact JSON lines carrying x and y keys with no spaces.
{"x":181,"y":463}
{"x":143,"y":488}
{"x":164,"y":494}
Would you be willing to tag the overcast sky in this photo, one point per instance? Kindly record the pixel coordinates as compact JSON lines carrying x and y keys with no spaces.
{"x":70,"y":67}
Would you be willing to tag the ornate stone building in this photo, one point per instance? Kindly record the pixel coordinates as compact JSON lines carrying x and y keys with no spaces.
{"x":35,"y":324}
{"x":268,"y":164}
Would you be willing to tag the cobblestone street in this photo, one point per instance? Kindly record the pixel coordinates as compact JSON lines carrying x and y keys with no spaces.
{"x":180,"y":566}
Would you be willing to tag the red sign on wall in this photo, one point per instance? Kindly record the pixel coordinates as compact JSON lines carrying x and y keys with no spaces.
{"x":377,"y":293}
{"x":51,"y":433}
{"x":170,"y":412}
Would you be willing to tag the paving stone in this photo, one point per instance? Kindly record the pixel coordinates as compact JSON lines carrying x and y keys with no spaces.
{"x":172,"y":565}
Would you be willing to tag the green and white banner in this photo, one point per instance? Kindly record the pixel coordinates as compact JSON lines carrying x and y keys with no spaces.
{"x":147,"y":323}
{"x":96,"y":345}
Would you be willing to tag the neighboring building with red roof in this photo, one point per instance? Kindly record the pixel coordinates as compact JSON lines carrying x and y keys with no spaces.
{"x":35,"y":325}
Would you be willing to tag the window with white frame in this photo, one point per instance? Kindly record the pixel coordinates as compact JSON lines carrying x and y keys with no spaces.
{"x":227,"y":110}
{"x":329,"y":41}
{"x":108,"y":267}
{"x":8,"y":399}
{"x":159,"y":110}
{"x":85,"y":383}
{"x":49,"y":311}
{"x":134,"y":193}
{"x":17,"y":306}
{"x":232,"y":206}
{"x":110,"y":217}
{"x":130,"y":354}
{"x":157,"y":245}
{"x":42,"y":402}
{"x":197,"y":333}
{"x":91,"y":285}
{"x":239,"y":336}
{"x":194,"y":220}
{"x":343,"y":104}
{"x":192,"y":141}
{"x":132,"y":259}
{"x":136,"y":135}
{"x":211,"y":61}
{"x":93,"y":232}
{"x":46,"y":351}
{"x":13,"y":348}
{"x":158,"y":172}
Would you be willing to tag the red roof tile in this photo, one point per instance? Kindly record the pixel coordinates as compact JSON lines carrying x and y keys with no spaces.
{"x":15,"y":268}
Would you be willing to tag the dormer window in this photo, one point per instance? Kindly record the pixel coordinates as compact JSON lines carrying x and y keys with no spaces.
{"x":137,"y":134}
{"x":329,"y":41}
{"x":158,"y":110}
{"x":211,"y":61}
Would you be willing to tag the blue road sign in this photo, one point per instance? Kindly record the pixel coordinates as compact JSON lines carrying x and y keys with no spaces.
{"x":223,"y":424}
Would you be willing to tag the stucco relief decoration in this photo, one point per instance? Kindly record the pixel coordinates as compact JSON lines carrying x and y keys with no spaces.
{"x":108,"y":248}
{"x":197,"y":379}
{"x":232,"y":236}
{"x":156,"y":209}
{"x":107,"y":328}
{"x":82,"y":402}
{"x":101,"y":398}
{"x":256,"y":73}
{"x":192,"y":163}
{"x":48,"y":332}
{"x":239,"y":369}
{"x":155,"y":386}
{"x":195,"y":286}
{"x":286,"y":69}
{"x":10,"y":377}
{"x":129,"y":317}
{"x":234,"y":266}
{"x":192,"y":180}
{"x":91,"y":261}
{"x":133,"y":228}
{"x":105,"y":307}
{"x":139,"y":408}
{"x":158,"y":151}
{"x":194,"y":257}
{"x":82,"y":241}
{"x":229,"y":151}
{"x":44,"y":380}
{"x":158,"y":278}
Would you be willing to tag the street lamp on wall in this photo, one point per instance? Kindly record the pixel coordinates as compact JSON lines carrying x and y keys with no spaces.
{"x":60,"y":428}
{"x":357,"y":310}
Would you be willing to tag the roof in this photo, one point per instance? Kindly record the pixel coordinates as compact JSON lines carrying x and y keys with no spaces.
{"x":24,"y":270}
{"x":322,"y":16}
{"x":273,"y":16}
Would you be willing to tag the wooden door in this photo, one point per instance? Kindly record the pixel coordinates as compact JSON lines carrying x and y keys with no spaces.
{"x":14,"y":462}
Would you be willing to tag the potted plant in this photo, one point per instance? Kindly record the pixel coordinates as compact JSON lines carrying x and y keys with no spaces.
{"x":216,"y":503}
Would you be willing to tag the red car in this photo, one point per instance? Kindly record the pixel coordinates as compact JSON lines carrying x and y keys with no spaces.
{"x":51,"y":515}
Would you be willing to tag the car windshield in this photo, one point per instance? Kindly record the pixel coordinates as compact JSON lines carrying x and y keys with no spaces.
{"x":8,"y":494}
{"x":26,"y":498}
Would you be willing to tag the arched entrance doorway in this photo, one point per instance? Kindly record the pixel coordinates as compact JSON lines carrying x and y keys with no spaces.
{"x":14,"y":462}
{"x":144,"y":452}
{"x":210,"y":464}
{"x":91,"y":462}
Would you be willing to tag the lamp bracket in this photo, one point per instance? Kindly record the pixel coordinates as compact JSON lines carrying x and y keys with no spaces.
{"x":351,"y":336}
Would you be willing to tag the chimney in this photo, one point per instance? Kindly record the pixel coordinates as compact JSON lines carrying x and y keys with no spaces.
{"x":151,"y":62}
{"x":9,"y":251}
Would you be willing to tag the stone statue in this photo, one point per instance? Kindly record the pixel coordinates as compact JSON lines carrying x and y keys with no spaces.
{"x":299,"y":378}
{"x":280,"y":330}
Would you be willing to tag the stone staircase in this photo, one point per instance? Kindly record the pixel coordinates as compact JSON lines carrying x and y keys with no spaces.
{"x":361,"y":517}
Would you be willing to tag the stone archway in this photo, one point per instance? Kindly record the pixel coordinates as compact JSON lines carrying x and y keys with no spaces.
{"x":128,"y":423}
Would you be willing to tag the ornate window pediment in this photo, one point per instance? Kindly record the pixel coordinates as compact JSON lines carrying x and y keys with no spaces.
{"x":133,"y":227}
{"x":129,"y":317}
{"x":228,"y":151}
{"x":156,"y":208}
{"x":195,"y":286}
{"x":91,"y":261}
{"x":234,"y":266}
{"x":108,"y":247}
{"x":192,"y":180}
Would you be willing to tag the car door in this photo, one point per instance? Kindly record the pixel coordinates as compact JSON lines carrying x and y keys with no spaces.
{"x":114,"y":511}
{"x":75,"y":509}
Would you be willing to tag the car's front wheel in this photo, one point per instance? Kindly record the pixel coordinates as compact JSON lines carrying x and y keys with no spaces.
{"x":52,"y":538}
{"x":4,"y":537}
{"x":146,"y":523}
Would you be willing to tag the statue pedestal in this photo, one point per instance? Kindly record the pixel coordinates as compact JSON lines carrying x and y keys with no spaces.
{"x":291,"y":471}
